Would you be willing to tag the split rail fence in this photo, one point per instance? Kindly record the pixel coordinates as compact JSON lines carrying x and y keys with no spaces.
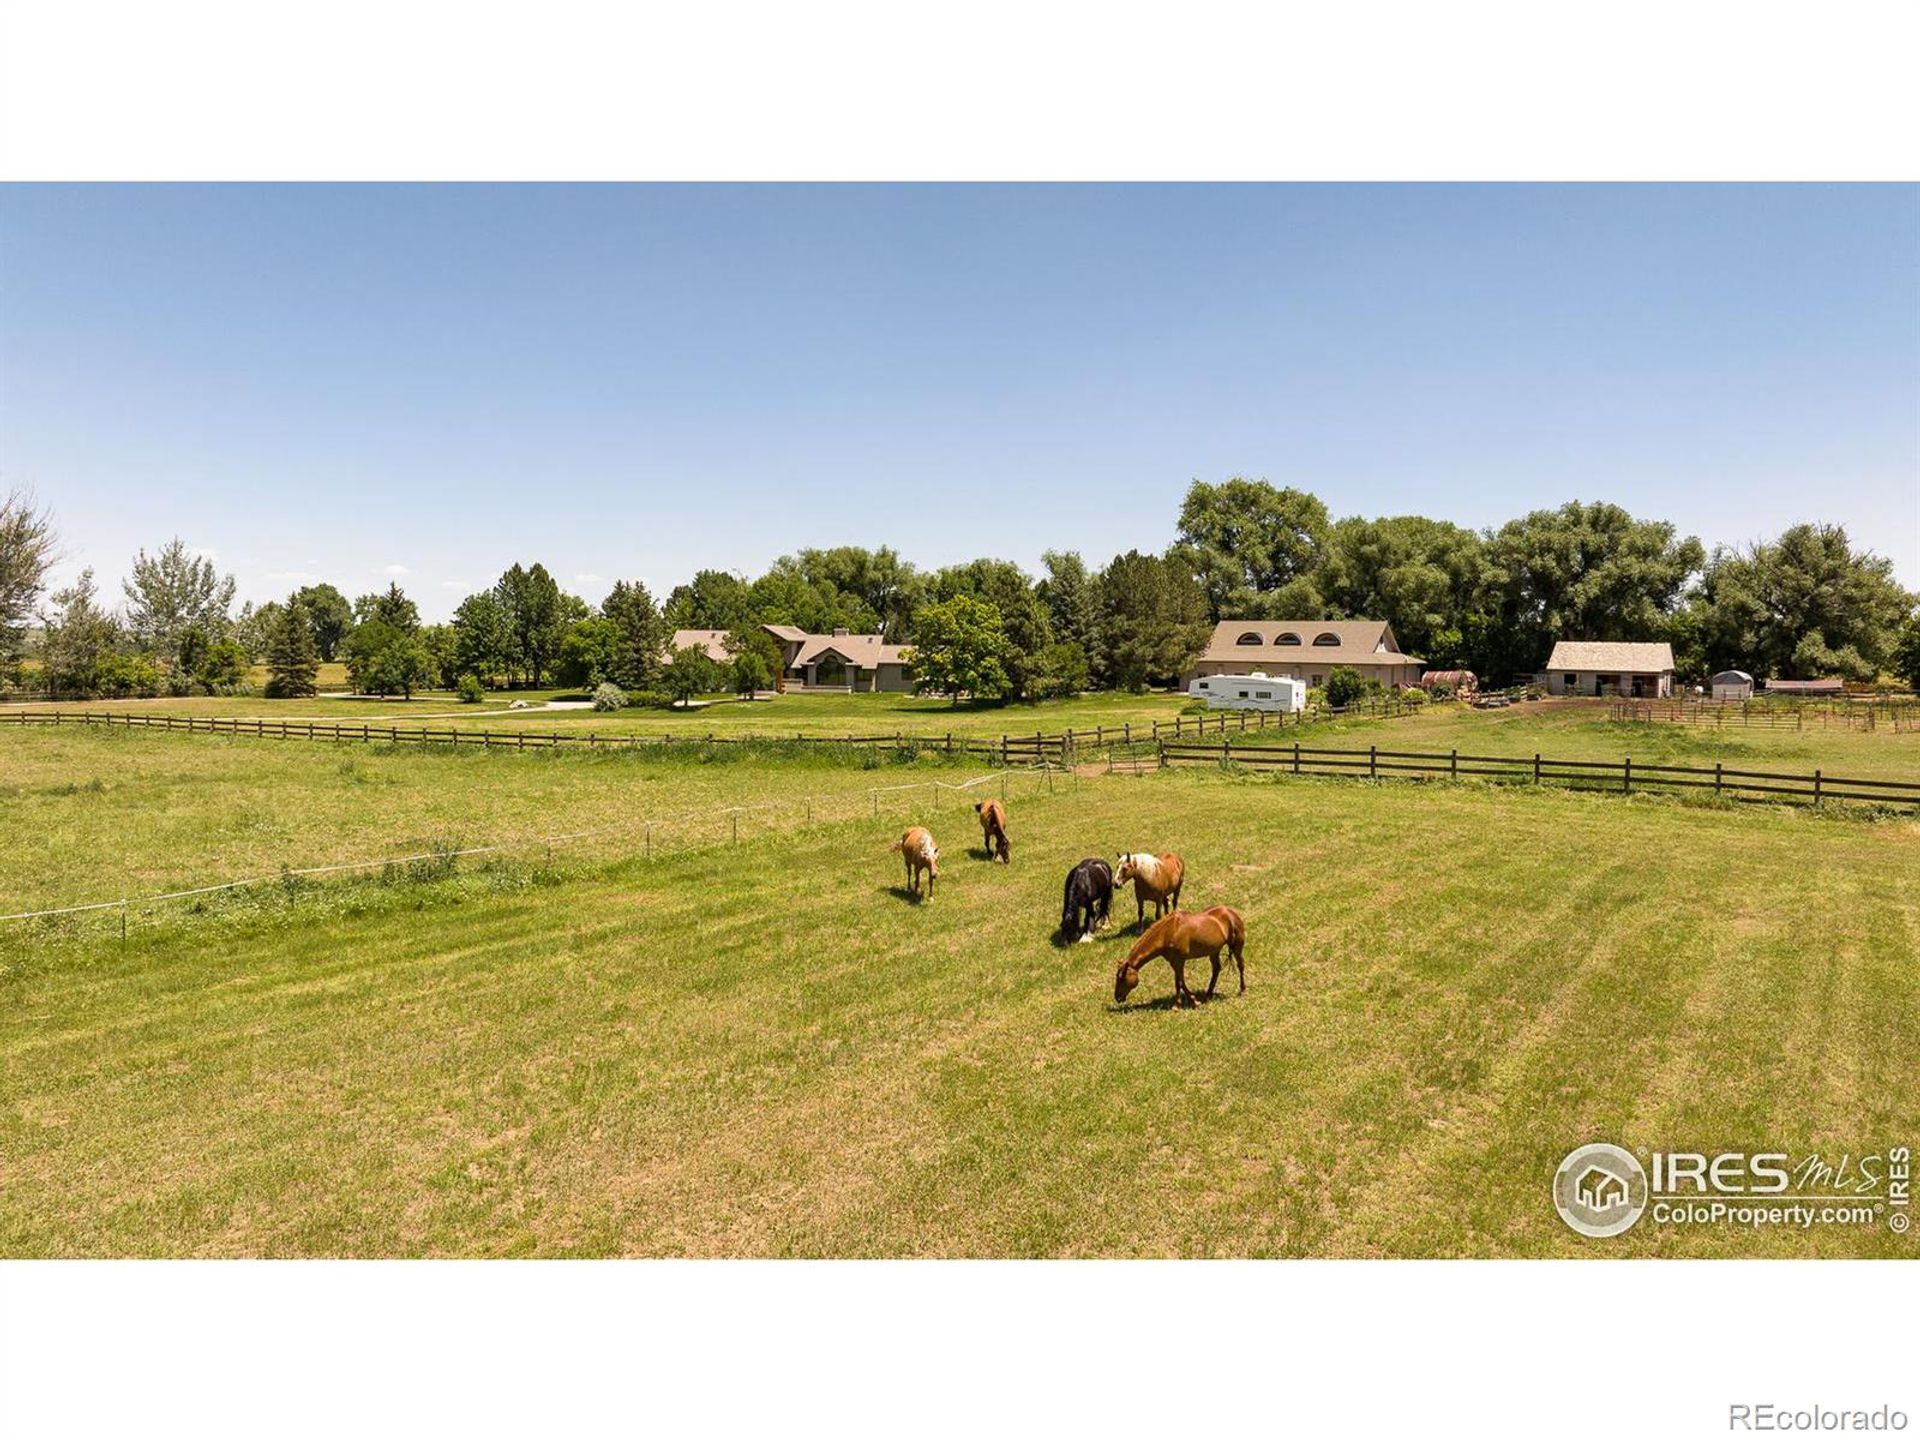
{"x":1899,"y":716}
{"x":1624,"y":775}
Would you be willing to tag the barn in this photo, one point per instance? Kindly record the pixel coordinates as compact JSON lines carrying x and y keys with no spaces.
{"x":1641,"y":669}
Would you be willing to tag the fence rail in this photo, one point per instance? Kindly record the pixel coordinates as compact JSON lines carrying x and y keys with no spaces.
{"x":1899,"y":716}
{"x":1625,"y":775}
{"x":1036,"y":748}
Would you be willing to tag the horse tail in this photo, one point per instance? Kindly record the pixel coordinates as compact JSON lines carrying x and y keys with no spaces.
{"x":897,"y":846}
{"x":1236,"y":930}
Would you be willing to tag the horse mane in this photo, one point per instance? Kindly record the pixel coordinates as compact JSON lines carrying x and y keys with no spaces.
{"x":1147,"y":866}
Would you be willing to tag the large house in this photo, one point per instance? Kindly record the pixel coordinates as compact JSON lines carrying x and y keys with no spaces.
{"x":1642,"y":669}
{"x":1306,"y":650}
{"x":840,"y":661}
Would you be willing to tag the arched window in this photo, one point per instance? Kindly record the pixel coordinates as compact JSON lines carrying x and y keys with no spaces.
{"x":1326,"y":637}
{"x":1252,"y":637}
{"x":1288,"y":638}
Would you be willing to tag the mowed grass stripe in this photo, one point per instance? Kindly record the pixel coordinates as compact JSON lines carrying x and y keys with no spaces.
{"x":766,"y":1050}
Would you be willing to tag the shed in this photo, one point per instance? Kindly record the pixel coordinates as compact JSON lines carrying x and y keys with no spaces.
{"x":1733,"y":685}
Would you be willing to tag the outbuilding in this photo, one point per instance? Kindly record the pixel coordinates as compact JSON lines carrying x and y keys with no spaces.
{"x":1637,"y":668}
{"x":1829,"y":687}
{"x":1733,"y":685}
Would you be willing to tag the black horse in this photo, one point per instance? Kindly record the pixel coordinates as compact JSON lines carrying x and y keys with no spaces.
{"x":1089,"y":897}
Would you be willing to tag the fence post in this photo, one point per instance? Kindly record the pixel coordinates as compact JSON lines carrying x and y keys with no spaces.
{"x":1453,"y":764}
{"x":1716,"y":777}
{"x":876,"y":803}
{"x":1816,"y":787}
{"x":736,"y":829}
{"x":1296,"y":757}
{"x":1626,"y":774}
{"x":1536,"y":767}
{"x":1373,"y":762}
{"x":649,"y":840}
{"x":123,"y":920}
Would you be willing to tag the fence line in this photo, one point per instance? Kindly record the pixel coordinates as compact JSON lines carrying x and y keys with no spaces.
{"x":1040,"y":746}
{"x":637,"y":830}
{"x":1898,"y":716}
{"x":1623,"y":774}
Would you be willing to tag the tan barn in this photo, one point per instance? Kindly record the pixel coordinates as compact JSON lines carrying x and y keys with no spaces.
{"x":1635,"y":668}
{"x":1306,"y":650}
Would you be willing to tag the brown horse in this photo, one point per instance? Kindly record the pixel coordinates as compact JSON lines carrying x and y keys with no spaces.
{"x":1182,"y":938}
{"x":1155,"y":877}
{"x":916,"y":847}
{"x":993,"y":830}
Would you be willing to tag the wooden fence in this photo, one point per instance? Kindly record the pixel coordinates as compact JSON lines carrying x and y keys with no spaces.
{"x":1624,"y":775}
{"x":1899,"y":716}
{"x":1039,"y":747}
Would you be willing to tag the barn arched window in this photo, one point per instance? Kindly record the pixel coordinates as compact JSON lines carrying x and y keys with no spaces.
{"x":1288,"y":638}
{"x":1252,"y":637}
{"x":1326,"y":637}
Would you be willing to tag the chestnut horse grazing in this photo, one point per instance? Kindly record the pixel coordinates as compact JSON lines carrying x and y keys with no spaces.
{"x":1181,"y":938}
{"x":993,"y":829}
{"x":1155,"y":877}
{"x":1089,"y":895}
{"x":920,"y":853}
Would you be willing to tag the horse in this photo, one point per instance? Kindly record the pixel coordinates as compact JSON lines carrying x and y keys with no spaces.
{"x":1155,"y":877}
{"x":993,"y":830}
{"x":1181,"y":938}
{"x":1088,"y":899}
{"x":916,"y":847}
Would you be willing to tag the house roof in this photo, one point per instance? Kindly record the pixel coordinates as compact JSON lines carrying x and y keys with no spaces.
{"x":1352,"y":642}
{"x":866,"y":651}
{"x":792,"y":634}
{"x":711,"y":641}
{"x":1632,"y":657}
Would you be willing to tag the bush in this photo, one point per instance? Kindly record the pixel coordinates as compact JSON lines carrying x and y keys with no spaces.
{"x":469,"y":689}
{"x":609,"y":696}
{"x":1344,"y":686}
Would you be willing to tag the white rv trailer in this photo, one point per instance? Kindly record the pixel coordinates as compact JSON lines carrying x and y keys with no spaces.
{"x":1250,"y":692}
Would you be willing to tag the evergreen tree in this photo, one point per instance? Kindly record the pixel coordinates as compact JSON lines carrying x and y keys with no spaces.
{"x":293,"y":659}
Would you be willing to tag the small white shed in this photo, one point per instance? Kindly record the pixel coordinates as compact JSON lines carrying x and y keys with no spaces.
{"x":1733,"y":685}
{"x":1250,"y":692}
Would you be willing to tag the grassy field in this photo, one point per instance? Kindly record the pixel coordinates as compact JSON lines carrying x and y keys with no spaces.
{"x":769,"y":1050}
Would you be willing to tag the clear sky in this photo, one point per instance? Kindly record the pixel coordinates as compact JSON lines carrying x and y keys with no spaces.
{"x":431,"y":382}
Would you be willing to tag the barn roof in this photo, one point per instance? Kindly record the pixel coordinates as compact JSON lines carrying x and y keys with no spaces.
{"x":1345,"y":642}
{"x":1643,"y":657}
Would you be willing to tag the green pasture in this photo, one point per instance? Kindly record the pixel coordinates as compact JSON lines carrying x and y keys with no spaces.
{"x":768,"y":1049}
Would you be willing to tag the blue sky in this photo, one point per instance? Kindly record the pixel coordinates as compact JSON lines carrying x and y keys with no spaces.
{"x":431,"y":382}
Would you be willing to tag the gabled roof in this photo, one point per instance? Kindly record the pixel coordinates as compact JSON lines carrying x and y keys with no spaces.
{"x":866,"y":651}
{"x":792,"y":634}
{"x":711,"y":641}
{"x":1354,"y":642}
{"x":1632,"y":657}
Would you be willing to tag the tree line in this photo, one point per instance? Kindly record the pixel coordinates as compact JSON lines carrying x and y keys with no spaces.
{"x":1805,"y":604}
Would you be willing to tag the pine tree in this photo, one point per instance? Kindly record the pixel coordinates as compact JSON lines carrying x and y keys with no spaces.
{"x":293,"y":659}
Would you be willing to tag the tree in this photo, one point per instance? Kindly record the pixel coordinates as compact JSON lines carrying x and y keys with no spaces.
{"x":1024,"y":621}
{"x":1425,"y":576}
{"x":1153,"y":619}
{"x":1803,"y":606}
{"x":483,"y":637}
{"x":223,"y":668}
{"x":78,"y":642}
{"x":756,"y":659}
{"x":172,"y":594}
{"x":957,"y":649}
{"x":690,"y":672}
{"x":331,"y":617}
{"x":537,"y":618}
{"x":587,"y":653}
{"x":26,"y":552}
{"x":642,"y":635}
{"x":1254,"y":549}
{"x":1906,"y":652}
{"x":712,"y":600}
{"x":884,"y":587}
{"x":1059,"y":671}
{"x":390,"y":607}
{"x":293,"y":659}
{"x":255,"y":627}
{"x":384,"y":659}
{"x":1071,"y":596}
{"x":1581,"y":572}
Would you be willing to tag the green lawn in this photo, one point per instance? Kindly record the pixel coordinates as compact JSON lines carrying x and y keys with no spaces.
{"x":765,"y":1049}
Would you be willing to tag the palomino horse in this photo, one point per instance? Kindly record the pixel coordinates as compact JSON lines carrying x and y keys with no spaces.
{"x":993,"y":829}
{"x":1089,"y":896}
{"x":920,"y":853}
{"x":1182,"y":938}
{"x":1155,"y":877}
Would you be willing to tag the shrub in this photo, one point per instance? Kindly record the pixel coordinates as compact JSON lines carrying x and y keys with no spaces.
{"x":1442,"y":690}
{"x":609,"y":696}
{"x":469,"y":689}
{"x":1344,"y":686}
